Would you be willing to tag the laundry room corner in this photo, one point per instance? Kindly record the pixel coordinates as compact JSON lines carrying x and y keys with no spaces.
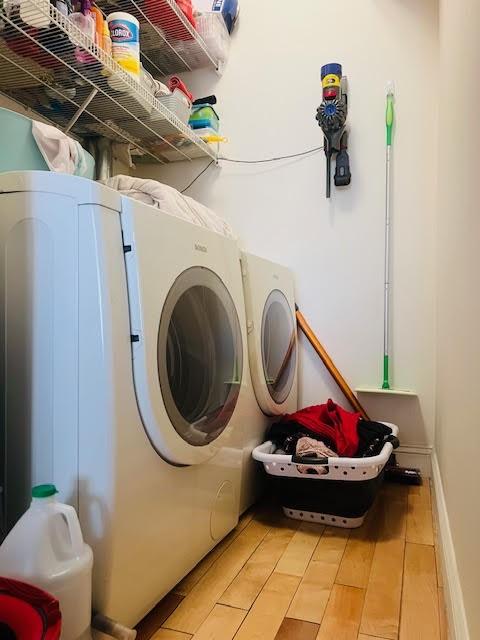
{"x":335,"y":247}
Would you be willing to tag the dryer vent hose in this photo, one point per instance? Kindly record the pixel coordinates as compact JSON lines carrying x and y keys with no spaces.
{"x":112,"y":628}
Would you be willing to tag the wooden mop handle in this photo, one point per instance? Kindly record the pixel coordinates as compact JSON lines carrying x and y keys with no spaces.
{"x":328,"y":362}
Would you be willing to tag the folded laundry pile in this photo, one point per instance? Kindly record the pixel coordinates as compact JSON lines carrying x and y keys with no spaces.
{"x":328,"y":430}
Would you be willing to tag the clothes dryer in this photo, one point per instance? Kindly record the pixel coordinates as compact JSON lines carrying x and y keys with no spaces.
{"x":272,"y":350}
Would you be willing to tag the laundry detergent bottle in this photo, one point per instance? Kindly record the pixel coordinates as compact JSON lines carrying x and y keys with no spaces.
{"x":46,"y":549}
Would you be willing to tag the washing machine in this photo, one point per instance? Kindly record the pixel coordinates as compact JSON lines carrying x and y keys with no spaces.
{"x":272,"y":349}
{"x":124,"y":359}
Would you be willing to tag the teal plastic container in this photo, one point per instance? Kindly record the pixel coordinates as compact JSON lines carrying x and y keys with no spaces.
{"x":18,"y":149}
{"x":204,"y":115}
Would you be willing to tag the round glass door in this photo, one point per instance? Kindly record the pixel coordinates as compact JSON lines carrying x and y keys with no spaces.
{"x":200,"y":356}
{"x":279,"y":346}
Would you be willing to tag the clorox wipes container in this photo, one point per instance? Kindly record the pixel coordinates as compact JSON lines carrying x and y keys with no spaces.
{"x":125,"y":36}
{"x":46,"y":549}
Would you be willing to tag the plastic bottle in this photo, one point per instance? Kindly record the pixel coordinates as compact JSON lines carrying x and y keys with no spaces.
{"x":85,"y":21}
{"x":106,"y":40}
{"x":98,"y":17}
{"x":106,"y":46}
{"x":124,"y":32}
{"x":86,"y":9}
{"x":46,"y":548}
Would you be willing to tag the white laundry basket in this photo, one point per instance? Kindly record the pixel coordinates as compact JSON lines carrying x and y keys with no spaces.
{"x":340,"y":495}
{"x":178,"y":105}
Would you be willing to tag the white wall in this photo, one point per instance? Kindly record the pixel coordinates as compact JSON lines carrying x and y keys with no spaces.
{"x":267,"y":102}
{"x":458,"y":263}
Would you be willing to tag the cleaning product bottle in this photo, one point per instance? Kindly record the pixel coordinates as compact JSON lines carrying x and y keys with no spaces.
{"x":86,"y":9}
{"x":98,"y":17}
{"x":106,"y":40}
{"x":124,"y":32}
{"x":46,"y":549}
{"x":106,"y":46}
{"x":85,"y":21}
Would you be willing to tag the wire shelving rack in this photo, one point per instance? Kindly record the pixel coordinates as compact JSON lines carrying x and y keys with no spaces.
{"x":50,"y":66}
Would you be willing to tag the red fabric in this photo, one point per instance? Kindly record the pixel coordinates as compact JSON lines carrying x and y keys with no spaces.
{"x":332,"y":422}
{"x":177,"y":83}
{"x":161,"y":13}
{"x":23,"y":46}
{"x":32,"y":614}
{"x":187,"y":9}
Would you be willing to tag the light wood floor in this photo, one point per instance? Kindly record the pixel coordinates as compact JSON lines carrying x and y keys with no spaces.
{"x":277,"y":579}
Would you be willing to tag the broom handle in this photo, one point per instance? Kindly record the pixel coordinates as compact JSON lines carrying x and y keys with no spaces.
{"x":328,"y":362}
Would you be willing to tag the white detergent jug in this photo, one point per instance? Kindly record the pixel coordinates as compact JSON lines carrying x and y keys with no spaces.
{"x":46,"y":548}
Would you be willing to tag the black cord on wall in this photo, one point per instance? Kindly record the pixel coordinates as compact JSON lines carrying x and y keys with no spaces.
{"x":292,"y":155}
{"x":198,"y":176}
{"x":274,"y":159}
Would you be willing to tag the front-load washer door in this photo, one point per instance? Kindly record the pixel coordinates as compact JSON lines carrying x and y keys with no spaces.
{"x":272,"y":335}
{"x":184,"y":283}
{"x":199,"y":356}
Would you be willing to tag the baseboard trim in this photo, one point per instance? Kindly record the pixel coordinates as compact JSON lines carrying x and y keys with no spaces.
{"x":457,"y":618}
{"x":415,"y":456}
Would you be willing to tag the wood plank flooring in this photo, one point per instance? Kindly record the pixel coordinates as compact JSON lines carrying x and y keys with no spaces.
{"x":278,"y":579}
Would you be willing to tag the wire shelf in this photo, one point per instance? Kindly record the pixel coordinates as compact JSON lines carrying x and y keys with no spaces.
{"x":52,"y":67}
{"x":169,"y":42}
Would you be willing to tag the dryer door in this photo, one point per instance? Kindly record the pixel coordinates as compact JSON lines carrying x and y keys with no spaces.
{"x":279,"y":346}
{"x":184,"y":289}
{"x":272,"y":335}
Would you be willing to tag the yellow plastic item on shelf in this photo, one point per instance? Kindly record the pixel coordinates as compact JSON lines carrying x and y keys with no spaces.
{"x":214,"y":138}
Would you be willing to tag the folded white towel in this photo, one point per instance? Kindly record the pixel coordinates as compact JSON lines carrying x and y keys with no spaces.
{"x":170,"y":201}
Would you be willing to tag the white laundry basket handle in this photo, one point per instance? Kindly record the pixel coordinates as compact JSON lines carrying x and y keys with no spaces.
{"x":310,"y":461}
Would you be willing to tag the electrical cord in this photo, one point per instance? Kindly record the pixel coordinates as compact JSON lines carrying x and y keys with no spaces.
{"x":198,"y":176}
{"x":274,"y":159}
{"x":291,"y":155}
